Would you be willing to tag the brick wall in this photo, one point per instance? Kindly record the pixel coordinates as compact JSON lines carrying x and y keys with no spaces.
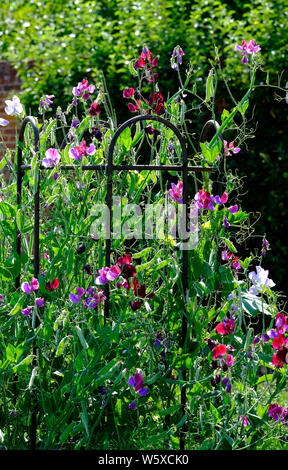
{"x":9,"y":83}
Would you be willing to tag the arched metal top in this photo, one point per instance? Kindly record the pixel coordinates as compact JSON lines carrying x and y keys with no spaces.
{"x":207,"y":127}
{"x":147,"y":117}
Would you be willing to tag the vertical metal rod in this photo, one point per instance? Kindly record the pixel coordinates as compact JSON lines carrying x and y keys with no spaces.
{"x":31,"y":121}
{"x":185,"y":288}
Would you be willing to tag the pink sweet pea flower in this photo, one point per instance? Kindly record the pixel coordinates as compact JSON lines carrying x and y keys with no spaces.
{"x":230,"y":148}
{"x":230,"y":360}
{"x":244,"y":420}
{"x":52,"y":158}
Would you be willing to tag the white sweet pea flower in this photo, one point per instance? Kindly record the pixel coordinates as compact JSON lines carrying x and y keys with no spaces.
{"x":13,"y":107}
{"x":260,"y":280}
{"x":3,"y":122}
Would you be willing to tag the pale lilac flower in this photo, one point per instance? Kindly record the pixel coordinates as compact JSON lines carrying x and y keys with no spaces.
{"x":13,"y":107}
{"x":46,"y":101}
{"x":3,"y":122}
{"x":52,"y":158}
{"x":260,"y":280}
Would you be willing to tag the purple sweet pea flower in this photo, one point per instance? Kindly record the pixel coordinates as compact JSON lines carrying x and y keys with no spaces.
{"x":226,"y":223}
{"x":26,"y":311}
{"x":28,"y":288}
{"x":233,"y":209}
{"x":40,"y":302}
{"x":137,"y":383}
{"x":132,"y":405}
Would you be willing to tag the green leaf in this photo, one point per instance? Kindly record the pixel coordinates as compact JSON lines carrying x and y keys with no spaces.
{"x":7,"y":209}
{"x":255,"y":305}
{"x":242,"y":108}
{"x":81,"y":337}
{"x":170,"y":410}
{"x":224,"y":115}
{"x":125,"y":139}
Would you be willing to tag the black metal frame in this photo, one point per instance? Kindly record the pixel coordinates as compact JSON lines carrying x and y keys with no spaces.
{"x":109,"y":168}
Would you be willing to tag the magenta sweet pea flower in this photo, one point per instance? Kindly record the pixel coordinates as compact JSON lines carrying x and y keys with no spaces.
{"x":82,"y":150}
{"x":229,"y":360}
{"x":52,"y":158}
{"x":244,"y":420}
{"x":128,"y":92}
{"x":247,"y":48}
{"x":83,"y":89}
{"x":107,"y":274}
{"x":94,"y":109}
{"x":176,"y":192}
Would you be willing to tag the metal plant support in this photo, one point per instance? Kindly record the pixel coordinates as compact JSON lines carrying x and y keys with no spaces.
{"x":109,"y":168}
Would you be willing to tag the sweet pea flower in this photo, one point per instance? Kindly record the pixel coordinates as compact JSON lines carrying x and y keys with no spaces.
{"x":176,"y":58}
{"x":244,"y":420}
{"x":52,"y":158}
{"x":230,"y":148}
{"x":28,"y":288}
{"x":107,"y":274}
{"x":219,"y":351}
{"x":247,"y":48}
{"x":226,"y":327}
{"x":39,"y":302}
{"x":13,"y":107}
{"x":82,"y":151}
{"x":137,"y":383}
{"x":83,"y":89}
{"x":3,"y":122}
{"x":260,"y":280}
{"x":46,"y":101}
{"x":51,"y":286}
{"x":26,"y":311}
{"x":233,"y":209}
{"x":132,"y":405}
{"x":94,"y":109}
{"x":128,"y":92}
{"x":75,"y":298}
{"x":176,"y":192}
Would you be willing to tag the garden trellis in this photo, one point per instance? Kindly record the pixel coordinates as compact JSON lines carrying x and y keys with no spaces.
{"x":108,"y":168}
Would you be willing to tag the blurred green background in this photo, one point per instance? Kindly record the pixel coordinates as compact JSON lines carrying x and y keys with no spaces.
{"x":54,"y":44}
